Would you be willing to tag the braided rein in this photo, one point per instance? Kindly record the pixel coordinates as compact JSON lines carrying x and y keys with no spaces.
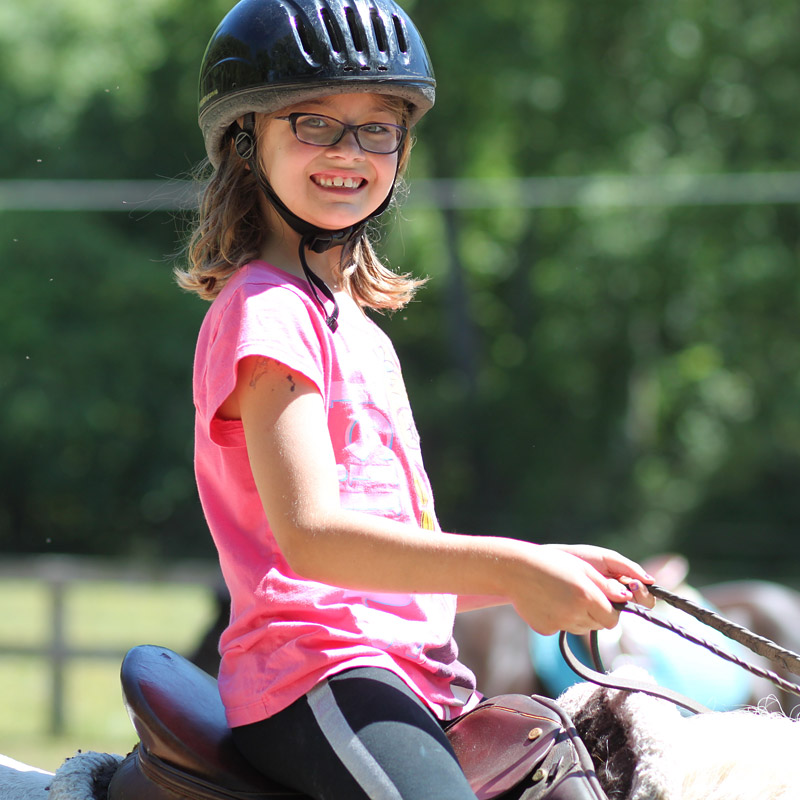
{"x":757,"y":644}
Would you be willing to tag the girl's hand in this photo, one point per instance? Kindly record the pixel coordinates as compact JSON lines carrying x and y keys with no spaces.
{"x":617,"y":567}
{"x":558,"y":591}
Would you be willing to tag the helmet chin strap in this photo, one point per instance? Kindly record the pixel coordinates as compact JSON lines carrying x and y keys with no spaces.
{"x":313,"y":238}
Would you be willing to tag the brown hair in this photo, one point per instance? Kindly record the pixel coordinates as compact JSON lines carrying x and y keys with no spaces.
{"x":230,"y":232}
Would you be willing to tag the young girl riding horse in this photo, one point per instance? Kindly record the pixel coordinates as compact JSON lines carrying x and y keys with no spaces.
{"x":338,"y":666}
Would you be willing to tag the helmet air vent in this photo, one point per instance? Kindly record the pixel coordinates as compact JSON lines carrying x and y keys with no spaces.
{"x":334,"y":34}
{"x":355,"y":31}
{"x":299,"y":25}
{"x":379,"y":30}
{"x":400,"y":32}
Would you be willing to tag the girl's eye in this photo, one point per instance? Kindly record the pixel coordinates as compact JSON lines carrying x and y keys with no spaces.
{"x":376,"y":129}
{"x":312,"y":123}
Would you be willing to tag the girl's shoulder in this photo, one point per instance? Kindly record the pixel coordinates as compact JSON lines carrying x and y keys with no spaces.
{"x":260,"y":284}
{"x":260,"y":275}
{"x":261,"y":299}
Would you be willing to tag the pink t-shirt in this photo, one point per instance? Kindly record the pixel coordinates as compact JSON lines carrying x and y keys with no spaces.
{"x":288,"y":633}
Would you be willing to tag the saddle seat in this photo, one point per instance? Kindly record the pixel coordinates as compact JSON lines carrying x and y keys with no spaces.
{"x":186,"y":749}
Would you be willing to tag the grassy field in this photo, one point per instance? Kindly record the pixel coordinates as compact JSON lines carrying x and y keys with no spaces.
{"x":111,"y":615}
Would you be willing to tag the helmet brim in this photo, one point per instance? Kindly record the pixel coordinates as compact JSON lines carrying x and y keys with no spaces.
{"x":217,"y":117}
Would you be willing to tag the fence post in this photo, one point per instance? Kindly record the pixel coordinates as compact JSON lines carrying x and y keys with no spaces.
{"x":59,"y":653}
{"x":58,"y":573}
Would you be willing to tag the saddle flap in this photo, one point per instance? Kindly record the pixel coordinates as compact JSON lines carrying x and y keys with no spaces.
{"x":177,"y":712}
{"x":502,"y":741}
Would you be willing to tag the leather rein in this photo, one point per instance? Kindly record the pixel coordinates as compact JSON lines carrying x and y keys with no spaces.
{"x":753,"y":642}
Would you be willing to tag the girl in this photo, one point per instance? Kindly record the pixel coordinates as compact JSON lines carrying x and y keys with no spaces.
{"x":338,"y":664}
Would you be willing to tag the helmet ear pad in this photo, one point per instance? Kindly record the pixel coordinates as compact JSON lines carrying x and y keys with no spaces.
{"x":245,"y":144}
{"x":244,"y":138}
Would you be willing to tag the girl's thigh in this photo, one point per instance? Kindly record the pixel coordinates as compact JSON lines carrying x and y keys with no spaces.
{"x":361,"y":735}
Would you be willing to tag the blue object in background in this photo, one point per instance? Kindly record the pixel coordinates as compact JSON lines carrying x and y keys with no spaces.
{"x":672,"y":661}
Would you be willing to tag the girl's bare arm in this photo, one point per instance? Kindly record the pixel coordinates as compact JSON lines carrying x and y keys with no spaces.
{"x":293,"y":465}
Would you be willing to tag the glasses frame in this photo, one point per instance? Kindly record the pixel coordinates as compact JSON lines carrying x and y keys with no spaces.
{"x":346,"y":128}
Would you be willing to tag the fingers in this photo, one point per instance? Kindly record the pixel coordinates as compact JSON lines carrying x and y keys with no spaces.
{"x":617,"y":565}
{"x":640,"y":594}
{"x":602,"y":614}
{"x":599,"y":609}
{"x":617,"y":591}
{"x":609,"y":562}
{"x":626,"y":590}
{"x":596,"y":617}
{"x":577,"y":589}
{"x":593,"y":619}
{"x":607,"y":619}
{"x":631,"y":577}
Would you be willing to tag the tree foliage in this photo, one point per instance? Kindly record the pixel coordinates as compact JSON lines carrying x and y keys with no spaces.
{"x":624,"y":373}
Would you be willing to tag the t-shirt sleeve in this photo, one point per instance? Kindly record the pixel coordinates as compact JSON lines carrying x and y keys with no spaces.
{"x":270,"y":321}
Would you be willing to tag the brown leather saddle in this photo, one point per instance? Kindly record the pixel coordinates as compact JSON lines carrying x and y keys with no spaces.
{"x":511,"y":746}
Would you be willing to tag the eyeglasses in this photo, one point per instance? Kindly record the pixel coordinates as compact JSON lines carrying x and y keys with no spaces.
{"x":321,"y":131}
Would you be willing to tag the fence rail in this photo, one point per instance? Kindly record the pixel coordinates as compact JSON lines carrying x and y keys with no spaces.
{"x":748,"y":188}
{"x":57,"y":573}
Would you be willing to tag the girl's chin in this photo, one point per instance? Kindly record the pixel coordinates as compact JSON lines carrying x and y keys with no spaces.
{"x":335,"y":222}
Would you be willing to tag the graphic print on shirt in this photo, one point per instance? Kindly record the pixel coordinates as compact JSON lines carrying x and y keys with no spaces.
{"x":378,"y":451}
{"x":398,"y":399}
{"x":425,"y":503}
{"x":407,"y":431}
{"x":376,"y":440}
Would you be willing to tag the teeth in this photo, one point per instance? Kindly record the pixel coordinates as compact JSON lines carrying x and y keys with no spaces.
{"x":338,"y":181}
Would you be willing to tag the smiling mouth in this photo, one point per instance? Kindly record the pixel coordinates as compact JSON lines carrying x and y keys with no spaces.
{"x":338,"y":182}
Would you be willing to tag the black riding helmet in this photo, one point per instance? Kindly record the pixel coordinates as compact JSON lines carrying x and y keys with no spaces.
{"x":269,"y":54}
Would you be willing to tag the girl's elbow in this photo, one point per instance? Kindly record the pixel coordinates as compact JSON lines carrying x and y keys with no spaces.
{"x":296,"y":545}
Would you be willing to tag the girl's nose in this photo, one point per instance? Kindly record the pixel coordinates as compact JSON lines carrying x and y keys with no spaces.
{"x":348,"y":146}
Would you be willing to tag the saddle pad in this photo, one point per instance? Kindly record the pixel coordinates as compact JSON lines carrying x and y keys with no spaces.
{"x":177,"y":712}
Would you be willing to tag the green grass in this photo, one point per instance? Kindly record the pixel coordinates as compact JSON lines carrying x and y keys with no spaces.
{"x":111,"y":615}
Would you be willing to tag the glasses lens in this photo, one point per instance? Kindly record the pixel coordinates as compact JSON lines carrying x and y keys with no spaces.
{"x":379,"y":138}
{"x":322,"y":131}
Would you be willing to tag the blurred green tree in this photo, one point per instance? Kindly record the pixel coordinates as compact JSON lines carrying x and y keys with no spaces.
{"x":625,"y":356}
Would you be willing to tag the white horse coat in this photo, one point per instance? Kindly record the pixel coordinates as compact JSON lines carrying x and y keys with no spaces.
{"x":78,"y":778}
{"x":747,"y":754}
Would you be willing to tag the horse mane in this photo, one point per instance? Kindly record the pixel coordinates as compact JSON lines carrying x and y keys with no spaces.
{"x":606,"y":740}
{"x":643,"y":748}
{"x":631,"y":735}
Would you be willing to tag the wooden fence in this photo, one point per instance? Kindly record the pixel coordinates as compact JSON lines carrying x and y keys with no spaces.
{"x":57,"y":573}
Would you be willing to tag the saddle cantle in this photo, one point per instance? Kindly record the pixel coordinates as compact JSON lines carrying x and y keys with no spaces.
{"x":185,"y":747}
{"x":511,"y":747}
